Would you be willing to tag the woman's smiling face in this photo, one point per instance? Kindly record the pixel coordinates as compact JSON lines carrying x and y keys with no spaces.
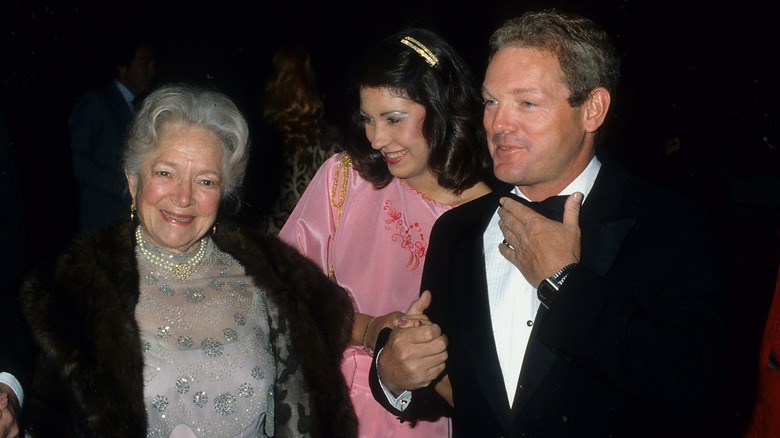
{"x":394,"y":127}
{"x":179,"y":187}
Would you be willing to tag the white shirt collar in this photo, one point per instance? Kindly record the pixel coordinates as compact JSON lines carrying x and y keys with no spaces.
{"x":583,"y":183}
{"x":126,"y":93}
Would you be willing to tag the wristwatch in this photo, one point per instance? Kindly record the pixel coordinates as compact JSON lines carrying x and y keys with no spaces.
{"x":548,"y":289}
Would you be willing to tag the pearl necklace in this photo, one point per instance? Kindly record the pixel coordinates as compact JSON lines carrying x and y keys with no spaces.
{"x":183,"y":270}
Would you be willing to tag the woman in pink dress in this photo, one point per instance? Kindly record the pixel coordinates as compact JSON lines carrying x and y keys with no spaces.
{"x":367,"y":214}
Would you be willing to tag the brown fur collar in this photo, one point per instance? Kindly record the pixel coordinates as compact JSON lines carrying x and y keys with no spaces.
{"x":89,"y":381}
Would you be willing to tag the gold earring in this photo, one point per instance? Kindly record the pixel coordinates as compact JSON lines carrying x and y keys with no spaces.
{"x":214,"y":228}
{"x":132,"y":211}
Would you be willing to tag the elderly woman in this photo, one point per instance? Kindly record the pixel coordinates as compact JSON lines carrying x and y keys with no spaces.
{"x":175,"y":326}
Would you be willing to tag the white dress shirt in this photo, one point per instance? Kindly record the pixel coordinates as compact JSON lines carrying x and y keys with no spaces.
{"x":513,"y":301}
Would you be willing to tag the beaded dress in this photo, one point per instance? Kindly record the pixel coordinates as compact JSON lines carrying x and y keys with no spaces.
{"x":208,"y":365}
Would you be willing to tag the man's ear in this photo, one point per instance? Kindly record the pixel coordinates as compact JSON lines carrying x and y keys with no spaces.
{"x":596,"y":108}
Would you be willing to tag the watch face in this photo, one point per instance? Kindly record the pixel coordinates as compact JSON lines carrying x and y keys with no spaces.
{"x":546,"y":292}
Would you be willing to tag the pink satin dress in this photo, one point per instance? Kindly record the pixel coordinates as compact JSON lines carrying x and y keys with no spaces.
{"x":376,"y":248}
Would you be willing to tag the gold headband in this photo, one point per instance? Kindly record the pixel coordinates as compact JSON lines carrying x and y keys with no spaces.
{"x":418,"y":47}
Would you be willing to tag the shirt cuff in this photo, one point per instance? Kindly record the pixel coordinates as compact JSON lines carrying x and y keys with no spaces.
{"x":402,"y":401}
{"x":11,"y":381}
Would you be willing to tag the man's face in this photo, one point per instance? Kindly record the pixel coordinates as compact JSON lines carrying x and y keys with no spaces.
{"x":139,"y":74}
{"x":537,"y":140}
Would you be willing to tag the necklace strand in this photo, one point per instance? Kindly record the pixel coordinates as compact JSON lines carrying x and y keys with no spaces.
{"x":182,"y":270}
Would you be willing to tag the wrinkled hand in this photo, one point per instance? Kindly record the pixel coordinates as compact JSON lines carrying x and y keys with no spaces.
{"x":9,"y":412}
{"x":415,"y":353}
{"x":540,"y":246}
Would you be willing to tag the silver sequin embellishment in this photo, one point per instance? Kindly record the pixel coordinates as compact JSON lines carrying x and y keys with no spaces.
{"x":257,"y":372}
{"x":246,"y":390}
{"x":224,"y":272}
{"x":167,"y":290}
{"x":164,"y":332}
{"x":145,"y":345}
{"x":241,"y":284}
{"x":225,"y":404}
{"x":212,"y":347}
{"x":216,"y":284}
{"x":230,"y":335}
{"x":195,"y":295}
{"x":182,"y":386}
{"x":159,"y":403}
{"x":200,"y":399}
{"x":151,"y":279}
{"x":185,"y":342}
{"x":239,"y":319}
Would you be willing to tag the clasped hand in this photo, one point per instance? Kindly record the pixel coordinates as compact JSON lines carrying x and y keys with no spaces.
{"x":538,"y":246}
{"x":415,"y":352}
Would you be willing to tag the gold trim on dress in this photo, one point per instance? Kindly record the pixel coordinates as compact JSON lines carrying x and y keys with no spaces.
{"x":342,"y":177}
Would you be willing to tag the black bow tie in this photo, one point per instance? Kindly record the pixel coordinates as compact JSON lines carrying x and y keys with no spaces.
{"x":551,"y":208}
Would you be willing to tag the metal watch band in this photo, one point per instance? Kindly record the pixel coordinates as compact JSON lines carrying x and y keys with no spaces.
{"x":548,"y":289}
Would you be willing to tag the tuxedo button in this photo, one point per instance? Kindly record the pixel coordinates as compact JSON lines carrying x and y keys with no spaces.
{"x":529,"y":323}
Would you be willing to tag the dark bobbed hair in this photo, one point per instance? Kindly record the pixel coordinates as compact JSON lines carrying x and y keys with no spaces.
{"x":458,"y":154}
{"x":587,"y":57}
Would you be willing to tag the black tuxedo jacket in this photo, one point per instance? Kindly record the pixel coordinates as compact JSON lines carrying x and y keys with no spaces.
{"x":632,"y":346}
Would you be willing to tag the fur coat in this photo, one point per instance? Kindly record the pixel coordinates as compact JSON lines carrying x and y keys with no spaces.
{"x":89,"y":376}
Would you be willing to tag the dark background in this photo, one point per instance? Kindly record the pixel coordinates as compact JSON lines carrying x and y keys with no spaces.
{"x":704,"y":72}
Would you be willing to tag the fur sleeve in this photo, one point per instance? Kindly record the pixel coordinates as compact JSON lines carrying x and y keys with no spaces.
{"x":89,"y":374}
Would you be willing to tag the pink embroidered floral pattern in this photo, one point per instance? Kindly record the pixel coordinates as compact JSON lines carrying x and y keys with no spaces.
{"x":411,"y":237}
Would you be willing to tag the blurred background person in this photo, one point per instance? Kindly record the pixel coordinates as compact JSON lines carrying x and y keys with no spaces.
{"x":98,"y":126}
{"x":295,"y":138}
{"x":171,"y":325}
{"x":419,"y":150}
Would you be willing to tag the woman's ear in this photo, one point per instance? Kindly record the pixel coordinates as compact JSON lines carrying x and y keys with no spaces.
{"x":132,"y":183}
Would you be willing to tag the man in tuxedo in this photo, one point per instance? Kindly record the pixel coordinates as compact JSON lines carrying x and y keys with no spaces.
{"x":606,"y":320}
{"x":98,"y":129}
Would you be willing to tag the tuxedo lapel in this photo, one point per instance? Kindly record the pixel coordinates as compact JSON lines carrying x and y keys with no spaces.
{"x":475,"y":323}
{"x":604,"y":220}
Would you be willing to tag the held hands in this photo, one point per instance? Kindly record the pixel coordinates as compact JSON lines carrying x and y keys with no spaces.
{"x":372,"y":326}
{"x":9,"y":411}
{"x":538,"y":246}
{"x":415,"y":352}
